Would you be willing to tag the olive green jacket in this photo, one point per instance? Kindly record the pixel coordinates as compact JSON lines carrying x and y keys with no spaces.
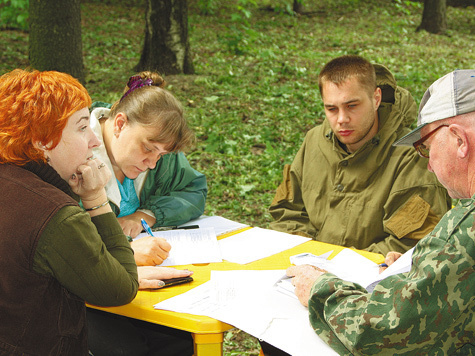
{"x":426,"y":311}
{"x":380,"y":198}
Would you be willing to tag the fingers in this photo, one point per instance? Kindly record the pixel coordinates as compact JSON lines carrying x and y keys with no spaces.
{"x":149,"y":274}
{"x":89,"y":179}
{"x":391,"y":257}
{"x":150,"y":284}
{"x":164,"y":244}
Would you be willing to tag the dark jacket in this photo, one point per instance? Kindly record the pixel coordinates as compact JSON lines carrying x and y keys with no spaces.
{"x":38,"y":315}
{"x":53,"y":256}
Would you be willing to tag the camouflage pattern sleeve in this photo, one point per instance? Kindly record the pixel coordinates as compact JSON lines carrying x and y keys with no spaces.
{"x":427,"y":311}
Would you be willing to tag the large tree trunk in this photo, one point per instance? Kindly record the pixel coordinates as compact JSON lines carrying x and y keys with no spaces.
{"x":298,"y":6}
{"x":434,"y":17}
{"x":166,"y":48}
{"x":55,"y":36}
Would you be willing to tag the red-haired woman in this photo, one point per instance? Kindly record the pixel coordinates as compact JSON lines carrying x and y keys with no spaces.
{"x":54,"y":254}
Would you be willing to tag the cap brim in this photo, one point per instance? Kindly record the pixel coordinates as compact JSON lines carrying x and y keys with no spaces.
{"x":410,"y":138}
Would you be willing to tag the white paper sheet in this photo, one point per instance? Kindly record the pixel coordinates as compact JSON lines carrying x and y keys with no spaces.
{"x":250,"y":301}
{"x":221,"y":225}
{"x":350,"y":266}
{"x":247,"y":300}
{"x":257,"y":243}
{"x":190,"y":246}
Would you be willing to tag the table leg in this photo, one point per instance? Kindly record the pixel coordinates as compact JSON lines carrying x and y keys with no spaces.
{"x":208,"y":344}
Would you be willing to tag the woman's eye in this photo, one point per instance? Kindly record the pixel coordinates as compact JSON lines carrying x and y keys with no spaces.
{"x":83,"y":128}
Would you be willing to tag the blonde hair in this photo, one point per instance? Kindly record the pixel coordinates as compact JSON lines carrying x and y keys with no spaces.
{"x":35,"y":108}
{"x":149,"y":104}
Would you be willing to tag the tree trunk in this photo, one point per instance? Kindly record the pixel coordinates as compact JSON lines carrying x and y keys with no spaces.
{"x":298,"y":6}
{"x":55,"y":37}
{"x":434,"y":16}
{"x":166,"y":48}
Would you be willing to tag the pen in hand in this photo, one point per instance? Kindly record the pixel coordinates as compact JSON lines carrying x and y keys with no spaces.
{"x":147,"y":228}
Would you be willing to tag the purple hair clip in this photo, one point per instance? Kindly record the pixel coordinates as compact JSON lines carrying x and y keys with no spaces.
{"x":136,"y":82}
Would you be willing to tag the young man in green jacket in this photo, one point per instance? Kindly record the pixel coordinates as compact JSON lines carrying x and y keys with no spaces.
{"x":348,"y":185}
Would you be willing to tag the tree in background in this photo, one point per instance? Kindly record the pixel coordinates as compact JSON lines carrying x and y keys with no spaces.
{"x":166,"y":47}
{"x":55,"y":37}
{"x":298,"y":6}
{"x":434,"y":17}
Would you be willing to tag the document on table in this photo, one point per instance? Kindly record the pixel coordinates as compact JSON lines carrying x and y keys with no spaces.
{"x":248,"y":301}
{"x":221,"y":225}
{"x":350,"y":266}
{"x":256,"y":243}
{"x":190,"y":246}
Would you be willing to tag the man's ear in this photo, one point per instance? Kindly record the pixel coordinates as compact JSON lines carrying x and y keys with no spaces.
{"x":377,"y":97}
{"x":120,"y":122}
{"x":461,"y":139}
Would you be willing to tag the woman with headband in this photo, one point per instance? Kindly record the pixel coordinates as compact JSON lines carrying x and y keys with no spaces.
{"x":143,"y":135}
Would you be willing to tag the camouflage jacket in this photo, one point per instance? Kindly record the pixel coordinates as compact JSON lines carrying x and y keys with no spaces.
{"x":427,"y":311}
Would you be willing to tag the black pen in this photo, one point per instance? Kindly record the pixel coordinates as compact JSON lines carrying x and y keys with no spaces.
{"x":166,"y":228}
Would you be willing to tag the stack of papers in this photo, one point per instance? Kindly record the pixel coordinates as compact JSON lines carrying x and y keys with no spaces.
{"x":349,"y":266}
{"x":250,"y":301}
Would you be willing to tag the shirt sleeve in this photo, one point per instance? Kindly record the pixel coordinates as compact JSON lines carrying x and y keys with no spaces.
{"x":174,"y":191}
{"x":90,"y":257}
{"x":425,"y":309}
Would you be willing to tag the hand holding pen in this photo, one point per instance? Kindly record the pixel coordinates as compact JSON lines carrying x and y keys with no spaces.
{"x":150,"y":250}
{"x":391,"y":257}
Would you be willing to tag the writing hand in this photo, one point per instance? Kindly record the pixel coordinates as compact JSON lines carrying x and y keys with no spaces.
{"x":150,"y":251}
{"x":391,"y":257}
{"x":304,"y":277}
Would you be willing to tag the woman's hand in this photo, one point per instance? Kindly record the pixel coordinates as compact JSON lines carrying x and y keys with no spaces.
{"x":131,"y":224}
{"x":151,"y":277}
{"x":150,"y":251}
{"x":89,"y":182}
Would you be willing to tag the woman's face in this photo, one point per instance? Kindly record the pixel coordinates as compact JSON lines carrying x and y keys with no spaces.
{"x":75,"y":147}
{"x":132,"y":151}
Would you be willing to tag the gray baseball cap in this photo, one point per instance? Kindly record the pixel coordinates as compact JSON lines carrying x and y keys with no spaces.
{"x":449,"y":96}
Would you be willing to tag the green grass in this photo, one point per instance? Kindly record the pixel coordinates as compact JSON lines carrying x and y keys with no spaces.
{"x":255,"y":94}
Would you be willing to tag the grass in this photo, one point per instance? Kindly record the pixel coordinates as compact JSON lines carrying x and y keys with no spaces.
{"x":255,"y":94}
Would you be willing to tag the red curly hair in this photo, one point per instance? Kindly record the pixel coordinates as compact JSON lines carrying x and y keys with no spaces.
{"x":34,"y":109}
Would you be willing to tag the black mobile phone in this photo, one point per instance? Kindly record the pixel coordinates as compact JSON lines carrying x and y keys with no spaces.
{"x":175,"y":281}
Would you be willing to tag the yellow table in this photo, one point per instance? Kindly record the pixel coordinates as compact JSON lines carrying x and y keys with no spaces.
{"x":207,"y":332}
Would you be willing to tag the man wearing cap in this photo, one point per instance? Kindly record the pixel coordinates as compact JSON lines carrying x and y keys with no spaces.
{"x":348,"y":185}
{"x":430,"y":309}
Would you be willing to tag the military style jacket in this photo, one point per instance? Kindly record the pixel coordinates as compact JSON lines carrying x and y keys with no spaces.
{"x":380,"y":198}
{"x":173,"y":192}
{"x":426,"y":311}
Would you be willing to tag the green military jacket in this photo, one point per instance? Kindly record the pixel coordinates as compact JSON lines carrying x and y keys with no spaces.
{"x":426,"y":311}
{"x":380,"y":198}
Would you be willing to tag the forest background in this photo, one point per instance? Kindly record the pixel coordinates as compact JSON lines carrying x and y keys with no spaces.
{"x":254,"y":94}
